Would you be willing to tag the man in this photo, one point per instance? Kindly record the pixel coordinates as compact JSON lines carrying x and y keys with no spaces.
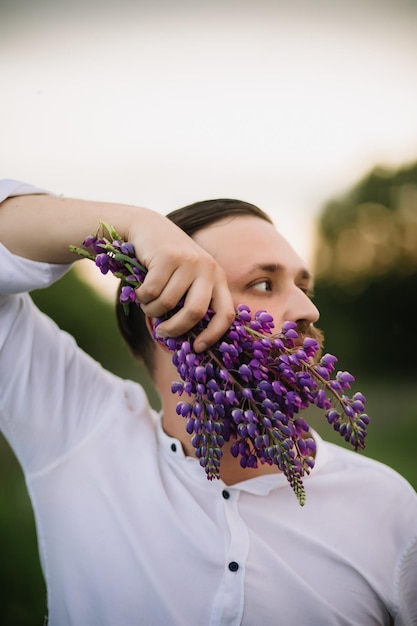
{"x":130,"y":530}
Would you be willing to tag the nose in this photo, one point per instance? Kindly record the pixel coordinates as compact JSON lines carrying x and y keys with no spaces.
{"x":300,"y":308}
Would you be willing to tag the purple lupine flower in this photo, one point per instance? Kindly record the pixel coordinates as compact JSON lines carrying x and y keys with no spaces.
{"x":89,"y":241}
{"x":251,"y":386}
{"x":127,"y":294}
{"x":103,"y":262}
{"x":127,"y":248}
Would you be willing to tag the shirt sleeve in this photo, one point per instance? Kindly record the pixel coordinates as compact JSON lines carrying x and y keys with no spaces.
{"x":52,"y":394}
{"x":10,"y":187}
{"x":18,"y":274}
{"x":407,"y":587}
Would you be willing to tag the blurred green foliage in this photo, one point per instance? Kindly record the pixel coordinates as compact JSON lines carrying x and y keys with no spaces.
{"x":366,"y":274}
{"x":366,"y":291}
{"x":366,"y":264}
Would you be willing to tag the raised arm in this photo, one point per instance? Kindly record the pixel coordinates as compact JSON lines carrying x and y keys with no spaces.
{"x":41,"y":228}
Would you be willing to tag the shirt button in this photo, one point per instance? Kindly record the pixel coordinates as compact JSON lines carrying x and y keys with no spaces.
{"x":225,"y":494}
{"x":233,"y":566}
{"x":174,"y":447}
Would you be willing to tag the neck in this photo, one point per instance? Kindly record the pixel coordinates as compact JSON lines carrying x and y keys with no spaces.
{"x":230,"y":470}
{"x":174,"y":425}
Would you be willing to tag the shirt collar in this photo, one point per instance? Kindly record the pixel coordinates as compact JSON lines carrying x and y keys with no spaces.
{"x":172,"y":449}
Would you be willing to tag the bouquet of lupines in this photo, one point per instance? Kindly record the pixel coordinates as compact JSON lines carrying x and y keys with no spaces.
{"x":248,"y":388}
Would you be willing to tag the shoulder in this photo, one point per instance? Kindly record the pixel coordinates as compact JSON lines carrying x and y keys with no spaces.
{"x":368,"y":474}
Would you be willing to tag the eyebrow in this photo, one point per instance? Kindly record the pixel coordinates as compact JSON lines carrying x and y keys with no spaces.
{"x":276,"y":268}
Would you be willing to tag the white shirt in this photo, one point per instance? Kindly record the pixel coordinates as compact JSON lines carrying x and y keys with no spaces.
{"x":132,"y":533}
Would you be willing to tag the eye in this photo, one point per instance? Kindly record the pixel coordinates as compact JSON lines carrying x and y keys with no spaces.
{"x":262,"y":285}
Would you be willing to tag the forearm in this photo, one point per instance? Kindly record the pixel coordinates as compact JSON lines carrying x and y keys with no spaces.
{"x":41,"y":227}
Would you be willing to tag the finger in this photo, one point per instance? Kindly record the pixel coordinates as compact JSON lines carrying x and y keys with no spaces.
{"x":154,"y":284}
{"x":200,"y":297}
{"x":196,"y":303}
{"x":162,"y":300}
{"x":222,"y":304}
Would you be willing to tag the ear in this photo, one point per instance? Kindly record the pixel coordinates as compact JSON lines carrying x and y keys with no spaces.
{"x":149,"y":325}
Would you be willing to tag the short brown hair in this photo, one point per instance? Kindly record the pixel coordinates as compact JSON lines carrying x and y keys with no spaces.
{"x":190,"y":219}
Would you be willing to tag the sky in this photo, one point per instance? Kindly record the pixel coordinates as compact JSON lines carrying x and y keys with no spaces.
{"x":161,"y":103}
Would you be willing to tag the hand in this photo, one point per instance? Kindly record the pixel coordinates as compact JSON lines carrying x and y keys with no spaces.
{"x":178,"y":266}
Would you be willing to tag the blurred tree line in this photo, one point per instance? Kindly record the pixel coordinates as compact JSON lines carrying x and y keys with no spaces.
{"x":366,"y":274}
{"x":365,"y":268}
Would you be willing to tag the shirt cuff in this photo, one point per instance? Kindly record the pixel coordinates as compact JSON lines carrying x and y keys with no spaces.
{"x":20,"y":275}
{"x":17,"y":273}
{"x":10,"y":187}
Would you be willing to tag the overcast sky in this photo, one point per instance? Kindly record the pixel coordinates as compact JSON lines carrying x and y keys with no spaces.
{"x":163,"y":103}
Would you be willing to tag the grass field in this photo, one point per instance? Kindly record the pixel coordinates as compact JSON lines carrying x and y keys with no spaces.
{"x":391,"y":439}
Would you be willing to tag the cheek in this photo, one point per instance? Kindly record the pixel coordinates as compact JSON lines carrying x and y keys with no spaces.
{"x":239,"y":297}
{"x":259,"y":303}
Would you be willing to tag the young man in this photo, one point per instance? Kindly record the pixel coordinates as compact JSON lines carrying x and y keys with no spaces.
{"x":130,"y":530}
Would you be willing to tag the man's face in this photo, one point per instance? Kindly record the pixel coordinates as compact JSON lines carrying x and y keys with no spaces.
{"x":263,"y":270}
